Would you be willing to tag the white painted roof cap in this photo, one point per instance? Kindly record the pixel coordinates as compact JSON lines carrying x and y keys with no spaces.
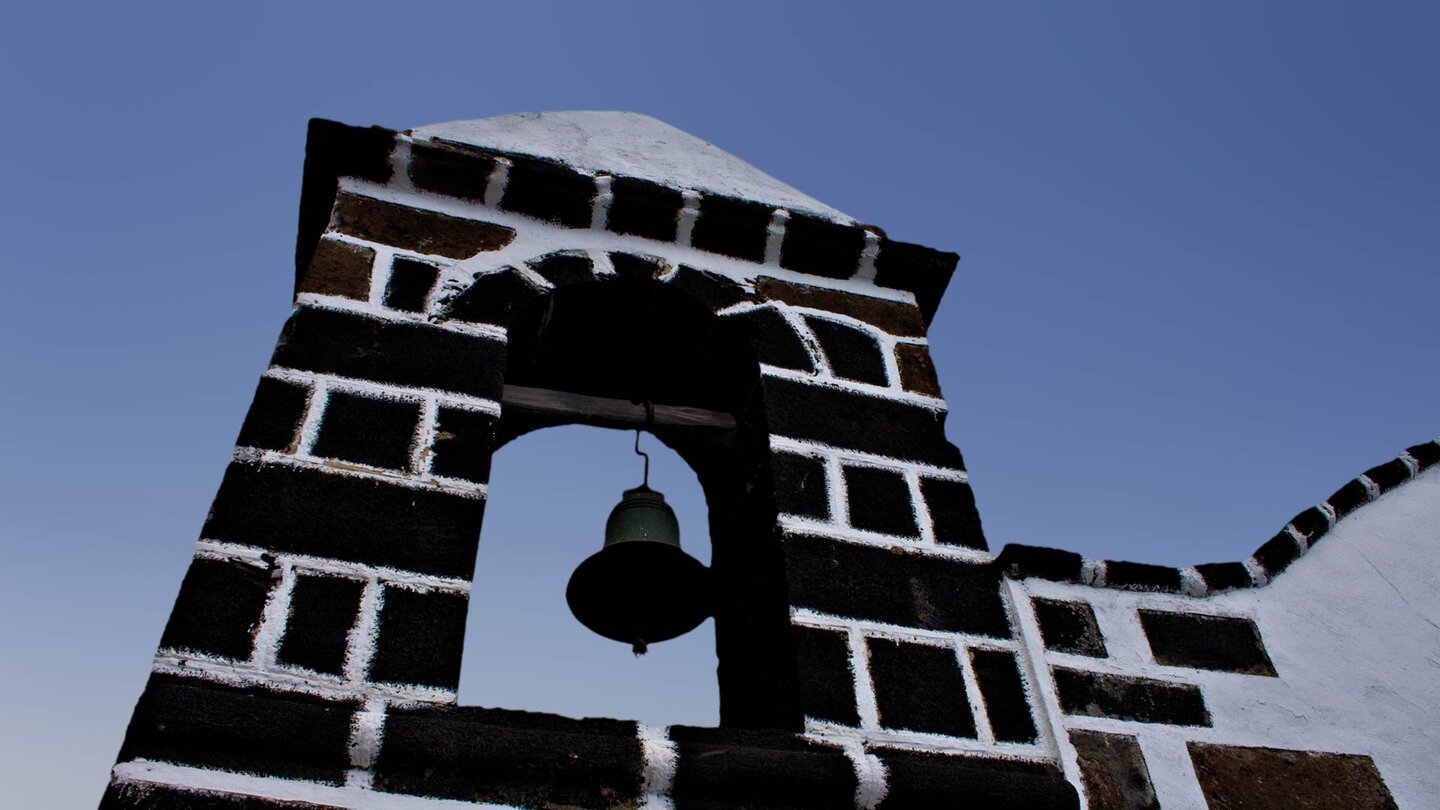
{"x":631,"y":144}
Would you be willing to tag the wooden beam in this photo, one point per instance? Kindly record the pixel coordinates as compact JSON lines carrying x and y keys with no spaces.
{"x":616,"y":413}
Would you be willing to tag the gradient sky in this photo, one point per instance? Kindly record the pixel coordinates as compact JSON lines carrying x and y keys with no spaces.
{"x":1198,"y":289}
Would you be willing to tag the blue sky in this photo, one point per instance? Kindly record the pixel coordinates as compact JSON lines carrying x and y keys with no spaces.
{"x":1197,"y":293}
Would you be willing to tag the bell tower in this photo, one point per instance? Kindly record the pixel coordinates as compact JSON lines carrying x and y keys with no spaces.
{"x":461,"y":284}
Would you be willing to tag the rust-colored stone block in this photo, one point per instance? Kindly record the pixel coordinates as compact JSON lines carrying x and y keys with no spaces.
{"x":917,"y":370}
{"x":339,"y":269}
{"x":894,"y":317}
{"x":1233,"y":777}
{"x":413,"y":229}
{"x":1113,"y":772}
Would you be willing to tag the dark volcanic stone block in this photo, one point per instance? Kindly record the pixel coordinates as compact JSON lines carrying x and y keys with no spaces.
{"x":732,"y":227}
{"x":1053,"y":564}
{"x":1113,"y":771}
{"x":1348,"y":498}
{"x":1389,"y":475}
{"x":1142,"y":576}
{"x":492,"y":298}
{"x":464,"y":444}
{"x":852,"y":353}
{"x":642,"y":208}
{"x":410,"y":284}
{"x":407,"y":354}
{"x":800,"y":485}
{"x":1425,"y":454}
{"x":1311,"y":524}
{"x":636,"y":267}
{"x":722,"y":769}
{"x":339,"y":268}
{"x":920,"y":780}
{"x":774,"y":341}
{"x":924,"y":271}
{"x":548,"y":191}
{"x":1277,"y":553}
{"x":453,"y":171}
{"x":820,"y":247}
{"x":564,"y":267}
{"x":895,"y":317}
{"x":1224,"y":576}
{"x":1223,"y":643}
{"x":274,"y":416}
{"x":417,"y":230}
{"x":953,"y":513}
{"x":365,"y":430}
{"x":1069,"y":627}
{"x":421,"y":635}
{"x":845,"y":419}
{"x":711,"y":289}
{"x":322,"y":611}
{"x":218,"y":609}
{"x":1144,"y":700}
{"x":847,"y":579}
{"x":920,"y":688}
{"x":1006,"y":703}
{"x":1233,"y":778}
{"x":332,"y":151}
{"x":879,"y":501}
{"x":917,"y":370}
{"x":827,"y":685}
{"x":346,"y":517}
{"x":150,"y":796}
{"x":521,"y":759}
{"x":193,"y":722}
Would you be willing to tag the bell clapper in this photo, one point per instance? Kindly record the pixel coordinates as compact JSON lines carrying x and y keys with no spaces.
{"x":639,"y":647}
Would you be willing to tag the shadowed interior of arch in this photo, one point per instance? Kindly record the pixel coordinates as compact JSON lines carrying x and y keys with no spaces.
{"x":621,"y":342}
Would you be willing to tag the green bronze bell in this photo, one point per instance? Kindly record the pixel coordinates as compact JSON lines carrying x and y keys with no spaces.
{"x":640,"y":587}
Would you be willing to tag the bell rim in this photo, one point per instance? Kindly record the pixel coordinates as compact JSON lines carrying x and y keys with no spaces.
{"x":695,"y":581}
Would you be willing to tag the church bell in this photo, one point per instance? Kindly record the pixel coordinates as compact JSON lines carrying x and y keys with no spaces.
{"x":640,"y":587}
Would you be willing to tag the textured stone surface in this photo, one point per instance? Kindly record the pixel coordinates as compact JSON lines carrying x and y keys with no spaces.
{"x":417,"y":230}
{"x":920,"y":781}
{"x":732,"y":227}
{"x":274,"y":416}
{"x":322,"y":612}
{"x":800,"y":485}
{"x":464,"y":444}
{"x":156,"y":797}
{"x":1222,"y":643}
{"x":721,"y":769}
{"x":1233,"y":778}
{"x":548,"y":191}
{"x":1069,"y":627}
{"x":827,"y":685}
{"x":879,"y":501}
{"x":1142,"y":576}
{"x":711,"y":289}
{"x":920,"y":688}
{"x":852,"y":353}
{"x":450,"y":170}
{"x":421,"y":636}
{"x":774,"y":339}
{"x":1038,"y":561}
{"x":1113,"y":772}
{"x":339,"y":268}
{"x":193,"y":722}
{"x":492,"y":298}
{"x":917,"y":369}
{"x":218,"y":609}
{"x":564,"y":267}
{"x":1224,"y":576}
{"x":846,"y":579}
{"x":642,"y":208}
{"x":346,"y":517}
{"x":952,"y":512}
{"x":365,"y":430}
{"x":895,"y":317}
{"x":1144,"y":700}
{"x":522,"y":759}
{"x":410,"y":284}
{"x":407,"y":354}
{"x":820,"y":247}
{"x":846,"y":419}
{"x":1006,"y":703}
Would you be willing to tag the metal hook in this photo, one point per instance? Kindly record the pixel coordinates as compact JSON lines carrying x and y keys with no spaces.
{"x":649,"y":423}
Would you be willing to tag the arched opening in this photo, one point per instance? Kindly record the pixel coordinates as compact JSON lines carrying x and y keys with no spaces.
{"x":523,"y":648}
{"x":587,"y":354}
